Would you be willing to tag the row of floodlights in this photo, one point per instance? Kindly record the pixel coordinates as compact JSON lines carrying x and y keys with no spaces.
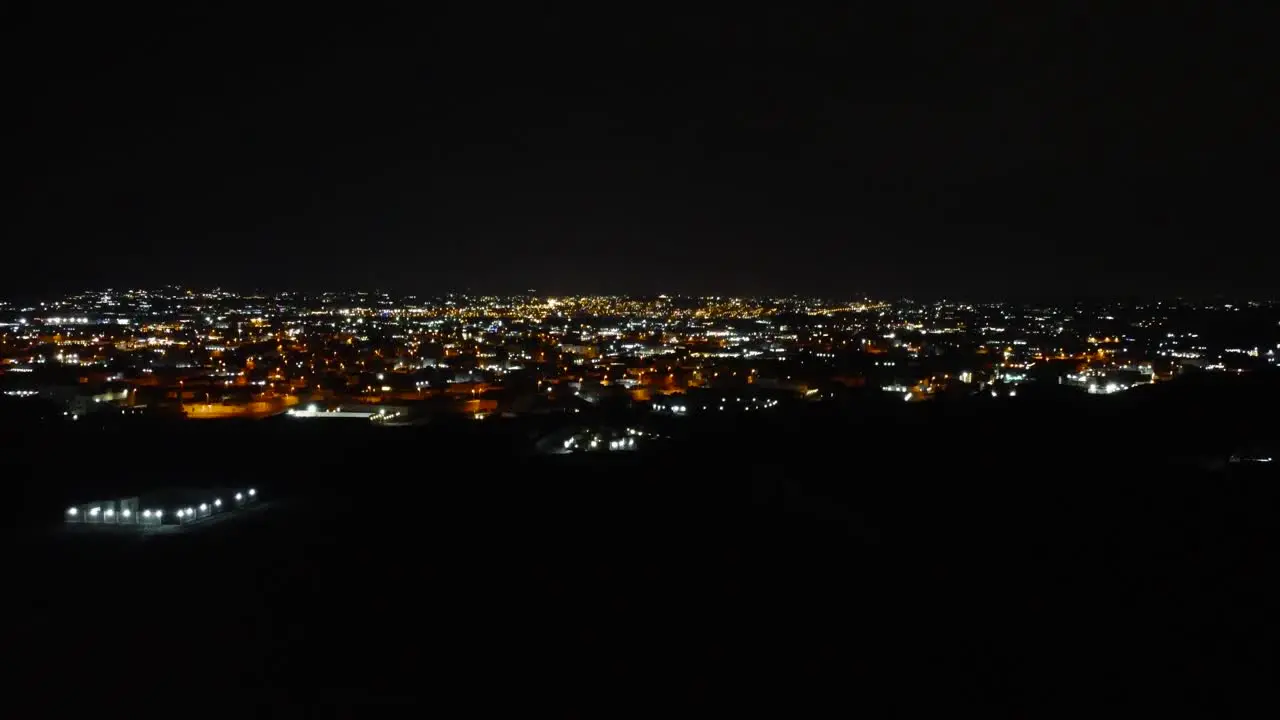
{"x":109,"y":512}
{"x":158,"y":514}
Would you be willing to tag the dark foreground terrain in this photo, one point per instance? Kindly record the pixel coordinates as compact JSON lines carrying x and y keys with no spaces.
{"x":1032,"y":556}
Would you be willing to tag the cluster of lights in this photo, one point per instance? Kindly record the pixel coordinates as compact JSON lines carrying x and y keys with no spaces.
{"x":626,"y":443}
{"x":187,"y":512}
{"x":752,"y":404}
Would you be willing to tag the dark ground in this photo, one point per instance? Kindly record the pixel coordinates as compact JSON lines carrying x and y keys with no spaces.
{"x":1045,"y":557}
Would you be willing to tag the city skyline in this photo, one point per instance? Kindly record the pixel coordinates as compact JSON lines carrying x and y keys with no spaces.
{"x":135,"y":350}
{"x":31,"y":299}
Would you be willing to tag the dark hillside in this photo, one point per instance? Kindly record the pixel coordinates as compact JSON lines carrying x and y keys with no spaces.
{"x":1029,"y":552}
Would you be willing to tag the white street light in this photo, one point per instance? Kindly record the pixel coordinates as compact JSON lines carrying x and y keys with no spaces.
{"x":217,"y":502}
{"x":146,"y":513}
{"x":94,"y":511}
{"x":72,"y":511}
{"x":125,"y":512}
{"x":110,"y":512}
{"x":239,"y":496}
{"x":252,"y":492}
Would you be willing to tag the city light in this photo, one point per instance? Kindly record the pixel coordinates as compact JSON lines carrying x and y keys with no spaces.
{"x":380,"y":356}
{"x":72,"y":511}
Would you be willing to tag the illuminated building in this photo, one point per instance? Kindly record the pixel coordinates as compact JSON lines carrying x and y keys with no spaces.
{"x":170,"y":509}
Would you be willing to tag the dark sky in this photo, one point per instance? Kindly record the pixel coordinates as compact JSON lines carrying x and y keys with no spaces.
{"x":933,"y":153}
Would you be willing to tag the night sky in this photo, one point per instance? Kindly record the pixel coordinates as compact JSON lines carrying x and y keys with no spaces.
{"x":960,"y":153}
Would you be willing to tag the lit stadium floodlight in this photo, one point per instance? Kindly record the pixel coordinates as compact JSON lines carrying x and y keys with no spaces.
{"x":72,"y":512}
{"x":252,"y":492}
